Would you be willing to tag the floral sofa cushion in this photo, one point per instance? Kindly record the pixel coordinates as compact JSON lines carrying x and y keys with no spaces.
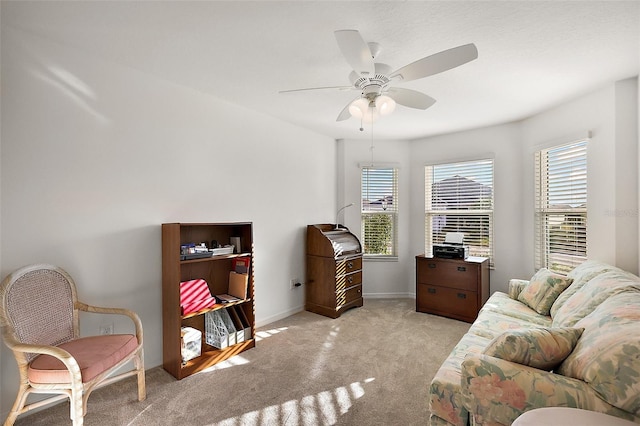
{"x":591,"y":294}
{"x":580,"y":275}
{"x":539,"y":347}
{"x":543,"y":289}
{"x":607,"y":357}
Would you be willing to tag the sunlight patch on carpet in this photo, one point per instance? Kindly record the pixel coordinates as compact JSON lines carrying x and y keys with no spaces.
{"x":231,"y":362}
{"x":263,"y":334}
{"x":324,"y":408}
{"x":317,"y":368}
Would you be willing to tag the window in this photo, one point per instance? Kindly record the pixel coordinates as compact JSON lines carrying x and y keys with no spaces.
{"x":561,"y":207}
{"x":459,"y":198}
{"x":379,"y":211}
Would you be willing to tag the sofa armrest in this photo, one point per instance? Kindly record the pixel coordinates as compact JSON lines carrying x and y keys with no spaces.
{"x":516,"y":286}
{"x":495,"y":391}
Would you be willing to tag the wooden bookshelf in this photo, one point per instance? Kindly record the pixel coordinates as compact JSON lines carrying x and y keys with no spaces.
{"x":215,"y":271}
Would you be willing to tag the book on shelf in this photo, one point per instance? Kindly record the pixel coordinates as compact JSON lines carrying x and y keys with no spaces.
{"x":241,"y":265}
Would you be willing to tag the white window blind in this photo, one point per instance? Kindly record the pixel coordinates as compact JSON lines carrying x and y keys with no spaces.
{"x":561,"y":207}
{"x":379,"y":211}
{"x":459,"y":198}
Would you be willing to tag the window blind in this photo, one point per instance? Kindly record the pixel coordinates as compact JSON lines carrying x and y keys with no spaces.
{"x":459,"y":198}
{"x":561,"y":206}
{"x":379,"y":211}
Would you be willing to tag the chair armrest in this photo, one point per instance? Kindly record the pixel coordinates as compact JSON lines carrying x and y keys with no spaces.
{"x":115,"y":311}
{"x":516,"y":286}
{"x":495,"y":391}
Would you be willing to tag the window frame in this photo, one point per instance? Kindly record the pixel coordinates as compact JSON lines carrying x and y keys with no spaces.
{"x":479,"y":214}
{"x":392,"y":212}
{"x":575,"y":187}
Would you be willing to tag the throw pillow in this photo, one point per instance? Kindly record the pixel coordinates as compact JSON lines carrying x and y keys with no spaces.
{"x":541,"y":348}
{"x":543,"y":289}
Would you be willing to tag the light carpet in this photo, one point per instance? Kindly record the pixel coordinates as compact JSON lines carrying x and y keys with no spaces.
{"x":371,"y":366}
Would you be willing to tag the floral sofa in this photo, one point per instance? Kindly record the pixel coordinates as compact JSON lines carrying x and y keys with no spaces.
{"x":567,"y":341}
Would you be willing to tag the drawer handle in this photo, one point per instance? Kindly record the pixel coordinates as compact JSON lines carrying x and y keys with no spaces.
{"x":462,"y":268}
{"x":350,"y":279}
{"x":350,"y":265}
{"x":432,"y":265}
{"x":462,"y":296}
{"x":432,"y":290}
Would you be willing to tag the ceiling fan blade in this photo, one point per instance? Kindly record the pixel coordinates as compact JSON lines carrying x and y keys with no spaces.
{"x":356,"y":51}
{"x":318,"y":88}
{"x":410,"y":98}
{"x":437,"y":63}
{"x":345,"y":114}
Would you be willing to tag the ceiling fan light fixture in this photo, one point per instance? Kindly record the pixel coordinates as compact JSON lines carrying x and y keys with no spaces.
{"x":359,"y":107}
{"x":385,"y":105}
{"x":371,"y":115}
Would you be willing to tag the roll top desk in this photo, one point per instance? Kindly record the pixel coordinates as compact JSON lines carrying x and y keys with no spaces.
{"x":334,"y":270}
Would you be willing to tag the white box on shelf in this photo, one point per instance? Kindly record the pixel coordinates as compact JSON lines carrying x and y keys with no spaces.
{"x":191,"y":346}
{"x":222,"y":250}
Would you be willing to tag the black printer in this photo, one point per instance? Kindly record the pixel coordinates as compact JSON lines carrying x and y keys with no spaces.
{"x":452,"y":248}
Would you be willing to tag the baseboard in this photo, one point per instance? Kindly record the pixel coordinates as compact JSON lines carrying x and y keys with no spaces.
{"x":300,"y":308}
{"x":279,"y":316}
{"x":406,"y":295}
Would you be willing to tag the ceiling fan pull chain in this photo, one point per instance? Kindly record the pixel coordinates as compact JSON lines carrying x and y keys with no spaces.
{"x":371,"y":137}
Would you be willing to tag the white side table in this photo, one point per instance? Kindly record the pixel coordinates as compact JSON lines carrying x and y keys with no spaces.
{"x":561,"y":416}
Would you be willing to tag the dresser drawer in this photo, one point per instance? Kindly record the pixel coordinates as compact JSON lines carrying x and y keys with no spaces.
{"x":443,"y":300}
{"x":448,"y":273}
{"x":348,"y":280}
{"x":346,"y":266}
{"x":348,"y":295}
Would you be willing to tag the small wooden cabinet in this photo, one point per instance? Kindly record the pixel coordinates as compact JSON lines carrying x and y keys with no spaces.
{"x":334,"y":270}
{"x":453,"y":288}
{"x":215,"y":271}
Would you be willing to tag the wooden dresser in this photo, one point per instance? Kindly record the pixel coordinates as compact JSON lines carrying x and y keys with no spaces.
{"x":334,"y":270}
{"x":453,"y":288}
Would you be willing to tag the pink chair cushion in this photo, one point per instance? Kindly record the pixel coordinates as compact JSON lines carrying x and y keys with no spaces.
{"x":94,"y":355}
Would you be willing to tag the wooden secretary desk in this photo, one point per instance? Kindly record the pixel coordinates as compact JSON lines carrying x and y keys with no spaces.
{"x":334,"y":270}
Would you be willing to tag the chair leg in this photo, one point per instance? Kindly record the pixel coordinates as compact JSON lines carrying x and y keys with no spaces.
{"x":77,"y":406}
{"x":18,"y":405}
{"x":139,"y":364}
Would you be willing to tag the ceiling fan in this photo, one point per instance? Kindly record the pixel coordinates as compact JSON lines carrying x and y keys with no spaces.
{"x":375,"y":80}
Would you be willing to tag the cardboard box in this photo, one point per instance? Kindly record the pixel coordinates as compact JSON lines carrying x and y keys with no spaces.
{"x":238,"y":285}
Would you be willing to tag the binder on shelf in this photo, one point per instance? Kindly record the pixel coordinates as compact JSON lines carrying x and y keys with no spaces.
{"x":195,"y":296}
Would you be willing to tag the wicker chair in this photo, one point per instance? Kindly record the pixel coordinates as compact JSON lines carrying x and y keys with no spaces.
{"x":39,"y":316}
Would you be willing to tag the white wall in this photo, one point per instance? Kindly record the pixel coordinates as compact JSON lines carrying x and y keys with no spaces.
{"x":381,"y":278}
{"x":95,"y":157}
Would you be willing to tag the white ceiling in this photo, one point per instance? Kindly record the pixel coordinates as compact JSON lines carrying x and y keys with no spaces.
{"x":532,"y":54}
